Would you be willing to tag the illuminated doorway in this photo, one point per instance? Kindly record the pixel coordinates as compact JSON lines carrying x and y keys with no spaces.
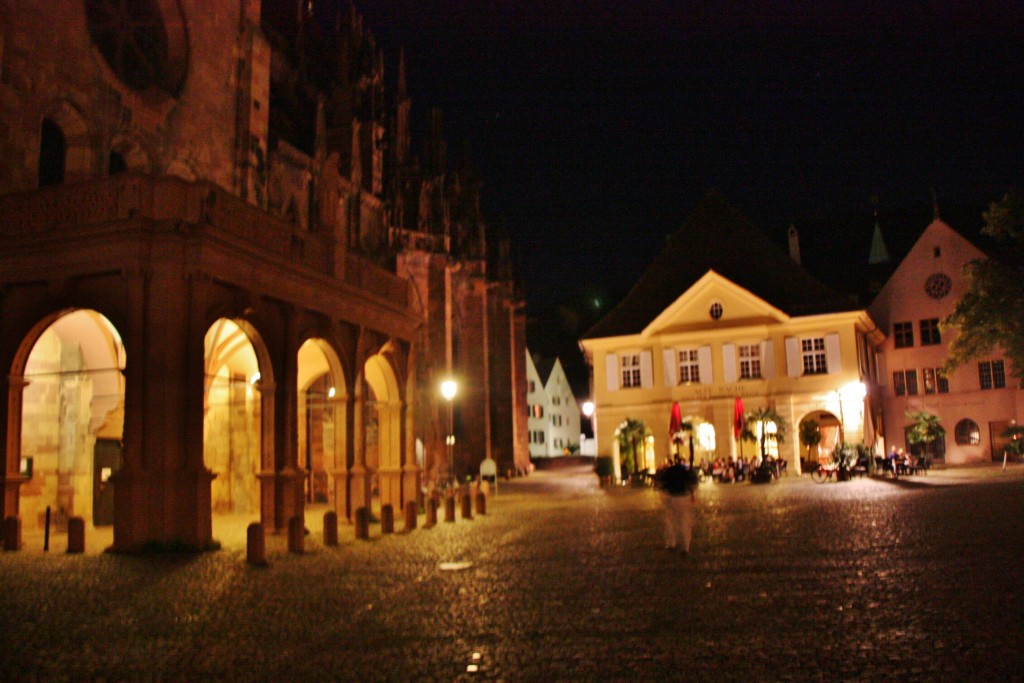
{"x":232,"y":439}
{"x":72,"y":421}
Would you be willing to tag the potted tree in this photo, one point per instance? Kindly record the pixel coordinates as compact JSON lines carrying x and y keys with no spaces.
{"x":772,"y":427}
{"x":924,"y":430}
{"x":810,"y":437}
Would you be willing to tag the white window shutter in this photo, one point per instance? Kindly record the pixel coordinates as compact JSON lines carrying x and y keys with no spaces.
{"x":611,"y":364}
{"x":883,"y":376}
{"x":671,"y":367}
{"x":832,"y":353}
{"x":794,"y":368}
{"x":767,"y":359}
{"x":728,"y":363}
{"x":646,"y":370}
{"x":704,"y":364}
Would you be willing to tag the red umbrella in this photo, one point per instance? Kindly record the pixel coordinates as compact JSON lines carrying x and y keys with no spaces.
{"x":739,"y":420}
{"x":675,"y":423}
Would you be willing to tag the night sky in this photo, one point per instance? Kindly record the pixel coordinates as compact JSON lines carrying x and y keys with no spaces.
{"x":599,"y":125}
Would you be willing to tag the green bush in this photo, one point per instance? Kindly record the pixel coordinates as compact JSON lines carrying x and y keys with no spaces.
{"x":604,"y":466}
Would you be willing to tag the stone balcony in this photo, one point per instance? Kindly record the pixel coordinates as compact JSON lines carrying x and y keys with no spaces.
{"x":204,"y":207}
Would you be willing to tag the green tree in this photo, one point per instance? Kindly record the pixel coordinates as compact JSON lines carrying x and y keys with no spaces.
{"x":924,"y":428}
{"x":991,"y":312}
{"x":764,"y":416}
{"x":631,"y":434}
{"x":810,"y":435}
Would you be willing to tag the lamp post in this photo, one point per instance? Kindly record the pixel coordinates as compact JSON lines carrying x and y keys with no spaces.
{"x":448,"y":390}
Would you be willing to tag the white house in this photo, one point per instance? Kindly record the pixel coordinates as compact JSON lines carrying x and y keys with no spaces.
{"x":553,"y":414}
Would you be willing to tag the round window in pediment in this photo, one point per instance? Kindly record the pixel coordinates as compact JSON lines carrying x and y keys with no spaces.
{"x":938,"y":285}
{"x":716,"y":310}
{"x":144,"y":42}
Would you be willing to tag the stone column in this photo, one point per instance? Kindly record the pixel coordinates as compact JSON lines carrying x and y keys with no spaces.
{"x":390,"y":471}
{"x":339,"y":458}
{"x":290,"y":500}
{"x":10,"y":403}
{"x":359,"y":477}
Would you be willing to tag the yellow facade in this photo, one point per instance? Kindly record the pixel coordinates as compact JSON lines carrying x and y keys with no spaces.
{"x":717,"y":343}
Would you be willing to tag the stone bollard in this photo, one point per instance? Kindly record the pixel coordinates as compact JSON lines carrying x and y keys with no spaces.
{"x":12,"y":533}
{"x":362,"y":523}
{"x":76,"y":535}
{"x":330,"y":528}
{"x":449,"y":509}
{"x":467,"y":505}
{"x":255,"y":545}
{"x":296,"y":535}
{"x":481,"y":503}
{"x":387,"y":519}
{"x":411,"y":510}
{"x":431,"y":513}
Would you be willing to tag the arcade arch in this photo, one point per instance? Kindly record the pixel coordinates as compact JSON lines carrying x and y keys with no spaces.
{"x":72,"y":419}
{"x":233,"y":420}
{"x":382,"y":430}
{"x":829,"y":430}
{"x":321,"y":425}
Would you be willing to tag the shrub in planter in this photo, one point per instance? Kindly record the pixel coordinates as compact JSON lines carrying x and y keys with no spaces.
{"x":604,"y":468}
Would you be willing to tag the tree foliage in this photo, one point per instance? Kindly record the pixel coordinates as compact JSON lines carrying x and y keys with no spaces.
{"x":764,"y":416}
{"x":631,"y":435}
{"x":991,"y":312}
{"x":924,"y":428}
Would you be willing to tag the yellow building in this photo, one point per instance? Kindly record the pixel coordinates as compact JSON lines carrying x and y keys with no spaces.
{"x":724,"y":317}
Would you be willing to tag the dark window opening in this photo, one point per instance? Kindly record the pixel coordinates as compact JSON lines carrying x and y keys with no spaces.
{"x":116,"y":164}
{"x":52,"y":154}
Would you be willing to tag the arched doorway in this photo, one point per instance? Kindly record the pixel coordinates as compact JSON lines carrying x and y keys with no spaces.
{"x":321,"y":420}
{"x":72,"y":421}
{"x":820,"y":433}
{"x":382,"y":430}
{"x":232,"y":426}
{"x":696,"y":441}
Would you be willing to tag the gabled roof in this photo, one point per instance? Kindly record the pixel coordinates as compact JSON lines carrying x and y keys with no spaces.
{"x":717,"y":237}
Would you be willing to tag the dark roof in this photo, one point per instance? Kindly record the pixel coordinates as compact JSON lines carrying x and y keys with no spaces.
{"x":718,"y":237}
{"x":544,"y":367}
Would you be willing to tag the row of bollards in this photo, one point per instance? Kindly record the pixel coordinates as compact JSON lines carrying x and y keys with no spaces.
{"x":76,"y":534}
{"x":256,"y":540}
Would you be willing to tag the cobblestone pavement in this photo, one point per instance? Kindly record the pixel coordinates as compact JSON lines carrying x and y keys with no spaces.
{"x":919,"y":579}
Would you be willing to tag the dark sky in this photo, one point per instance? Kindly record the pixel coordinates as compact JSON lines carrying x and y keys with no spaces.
{"x":598,"y":125}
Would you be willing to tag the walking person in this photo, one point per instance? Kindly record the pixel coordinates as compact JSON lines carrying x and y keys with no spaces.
{"x":678,"y":484}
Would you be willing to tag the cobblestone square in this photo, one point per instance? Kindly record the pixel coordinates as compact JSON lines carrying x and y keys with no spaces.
{"x":918,"y":579}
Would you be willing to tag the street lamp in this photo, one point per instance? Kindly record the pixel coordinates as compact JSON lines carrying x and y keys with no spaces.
{"x":448,"y":390}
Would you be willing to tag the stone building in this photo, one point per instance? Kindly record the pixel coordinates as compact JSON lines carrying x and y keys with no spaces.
{"x":212,"y":300}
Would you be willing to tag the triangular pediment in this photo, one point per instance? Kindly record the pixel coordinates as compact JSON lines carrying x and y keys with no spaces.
{"x":693,"y":310}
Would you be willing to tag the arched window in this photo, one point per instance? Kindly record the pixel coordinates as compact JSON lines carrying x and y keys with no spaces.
{"x":967,"y":433}
{"x":53,"y":149}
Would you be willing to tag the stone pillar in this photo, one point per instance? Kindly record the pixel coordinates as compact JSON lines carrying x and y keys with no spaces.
{"x":12,"y":533}
{"x":359,"y":477}
{"x":339,"y":462}
{"x":431,"y":513}
{"x":12,"y":479}
{"x":296,"y":535}
{"x":362,"y":523}
{"x":289,"y":499}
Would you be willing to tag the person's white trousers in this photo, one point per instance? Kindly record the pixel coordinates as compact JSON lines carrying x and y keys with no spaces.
{"x":678,"y":521}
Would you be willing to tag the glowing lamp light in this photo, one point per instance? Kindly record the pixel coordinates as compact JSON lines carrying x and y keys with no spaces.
{"x":330,"y":392}
{"x":448,"y":389}
{"x":588,"y":408}
{"x":255,"y":378}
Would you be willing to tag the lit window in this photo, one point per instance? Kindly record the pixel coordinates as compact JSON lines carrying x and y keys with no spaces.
{"x":928,"y":378}
{"x":813,"y":352}
{"x":967,"y":433}
{"x":631,"y":370}
{"x":930,"y":334}
{"x":750,"y":361}
{"x":903,"y":335}
{"x":689,"y":366}
{"x":533,"y":386}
